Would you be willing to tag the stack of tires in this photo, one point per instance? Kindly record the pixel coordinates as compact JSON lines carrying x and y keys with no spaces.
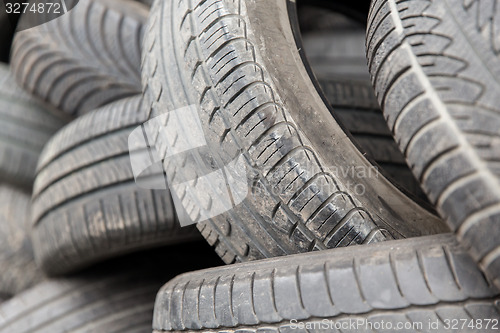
{"x":340,"y":157}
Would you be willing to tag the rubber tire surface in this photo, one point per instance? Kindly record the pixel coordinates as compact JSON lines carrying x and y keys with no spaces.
{"x":86,"y":204}
{"x":339,"y":62}
{"x":412,"y":280}
{"x":435,"y":66}
{"x":17,"y":263}
{"x":25,"y":126}
{"x":114,"y":297}
{"x":254,"y":107}
{"x":84,"y":59}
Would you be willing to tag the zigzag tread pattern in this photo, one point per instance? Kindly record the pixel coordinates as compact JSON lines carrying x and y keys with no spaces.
{"x":217,"y":49}
{"x":441,"y":97}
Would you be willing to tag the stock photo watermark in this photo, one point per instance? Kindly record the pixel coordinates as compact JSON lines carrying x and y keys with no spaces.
{"x":361,"y":324}
{"x":28,"y":14}
{"x":166,"y":152}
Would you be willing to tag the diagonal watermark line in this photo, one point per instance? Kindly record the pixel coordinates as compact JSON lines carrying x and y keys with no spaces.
{"x":63,"y":4}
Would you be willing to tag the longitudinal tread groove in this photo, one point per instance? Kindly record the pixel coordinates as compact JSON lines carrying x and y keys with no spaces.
{"x":347,"y":272}
{"x":85,"y":175}
{"x":115,"y":297}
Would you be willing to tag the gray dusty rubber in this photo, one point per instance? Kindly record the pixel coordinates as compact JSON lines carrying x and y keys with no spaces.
{"x":86,"y":204}
{"x":338,"y":60}
{"x":116,"y":297}
{"x":25,"y":126}
{"x":17,"y":263}
{"x":238,"y":63}
{"x":435,"y":66}
{"x":84,"y":59}
{"x":406,"y":281}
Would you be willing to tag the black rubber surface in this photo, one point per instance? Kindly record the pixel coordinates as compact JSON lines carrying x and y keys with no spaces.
{"x":25,"y":126}
{"x":7,"y":28}
{"x":435,"y":68}
{"x":406,"y":281}
{"x":84,"y":59}
{"x":17,"y":263}
{"x":338,"y":60}
{"x":238,"y":63}
{"x":86,"y":204}
{"x":116,"y":297}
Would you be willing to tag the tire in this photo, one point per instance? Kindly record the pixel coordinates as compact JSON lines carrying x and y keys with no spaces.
{"x":25,"y":126}
{"x":338,"y":60}
{"x":115,"y":297}
{"x":84,"y":59}
{"x":433,"y":66}
{"x":17,"y":264}
{"x":414,"y":280}
{"x":86,"y":204}
{"x":296,"y":201}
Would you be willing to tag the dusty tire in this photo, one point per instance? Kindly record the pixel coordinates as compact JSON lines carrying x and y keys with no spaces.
{"x":412,"y":280}
{"x":17,"y":263}
{"x":25,"y":126}
{"x":338,"y":60}
{"x":84,"y":59}
{"x":86,"y":204}
{"x":296,"y":202}
{"x":116,"y":297}
{"x":434,"y":67}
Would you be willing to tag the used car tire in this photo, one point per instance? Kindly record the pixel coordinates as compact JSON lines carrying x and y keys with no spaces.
{"x":338,"y":61}
{"x":239,"y":64}
{"x":435,"y":66}
{"x":17,"y":263}
{"x":86,"y":204}
{"x":115,"y":297}
{"x":84,"y":59}
{"x":406,"y":281}
{"x":25,"y":126}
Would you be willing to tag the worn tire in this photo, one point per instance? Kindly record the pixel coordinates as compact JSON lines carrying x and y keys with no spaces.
{"x":116,"y":297}
{"x":86,"y":204}
{"x":434,"y":66}
{"x":17,"y":263}
{"x":25,"y":126}
{"x":413,"y":280}
{"x":296,"y":202}
{"x":338,"y":60}
{"x":84,"y":59}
